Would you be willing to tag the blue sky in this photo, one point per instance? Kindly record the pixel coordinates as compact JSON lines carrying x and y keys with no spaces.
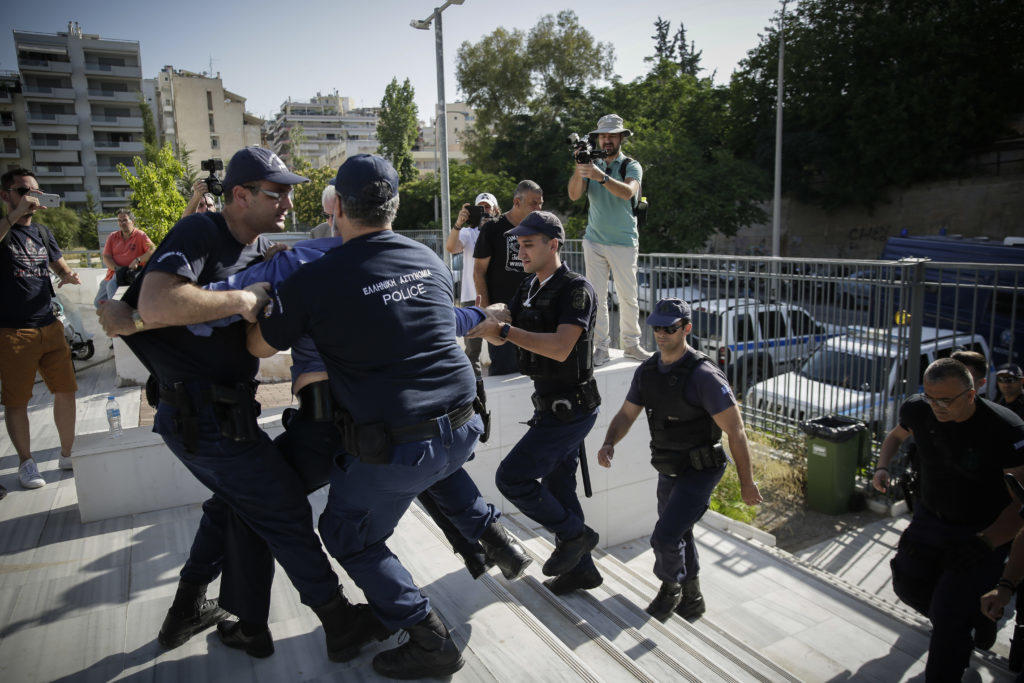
{"x":267,"y":51}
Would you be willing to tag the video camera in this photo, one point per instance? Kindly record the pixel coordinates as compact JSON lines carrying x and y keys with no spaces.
{"x":582,"y":151}
{"x":213,"y":184}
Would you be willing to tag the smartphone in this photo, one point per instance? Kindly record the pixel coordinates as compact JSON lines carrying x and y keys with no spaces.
{"x":48,"y":201}
{"x":476,"y":216}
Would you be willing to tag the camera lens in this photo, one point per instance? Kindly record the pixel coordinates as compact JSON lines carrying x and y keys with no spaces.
{"x":213,"y":186}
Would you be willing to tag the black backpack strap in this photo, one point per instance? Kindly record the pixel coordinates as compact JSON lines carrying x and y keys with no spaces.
{"x":635,"y":199}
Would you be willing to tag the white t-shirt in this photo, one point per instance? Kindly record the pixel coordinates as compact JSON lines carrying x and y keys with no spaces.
{"x":467,"y":236}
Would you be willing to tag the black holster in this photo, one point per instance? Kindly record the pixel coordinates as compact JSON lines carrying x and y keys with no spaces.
{"x":673,"y":463}
{"x":236,"y":410}
{"x":371,"y":443}
{"x":480,"y":408}
{"x":186,"y":423}
{"x":316,"y":403}
{"x":563,"y":404}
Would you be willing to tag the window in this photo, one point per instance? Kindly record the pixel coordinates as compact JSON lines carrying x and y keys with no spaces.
{"x":209,"y":100}
{"x":773,"y":325}
{"x":801,"y":323}
{"x":214,"y":142}
{"x":212,"y":129}
{"x":744,"y":328}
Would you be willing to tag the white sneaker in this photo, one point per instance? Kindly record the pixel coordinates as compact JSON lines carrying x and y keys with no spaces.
{"x":600,"y":357}
{"x":65,"y":461}
{"x":28,"y":475}
{"x":637,"y":352}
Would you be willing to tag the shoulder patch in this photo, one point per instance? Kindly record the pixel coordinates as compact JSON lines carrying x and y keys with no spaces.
{"x":579,"y":299}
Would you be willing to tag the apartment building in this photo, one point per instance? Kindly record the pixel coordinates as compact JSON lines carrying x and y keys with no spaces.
{"x":195,"y":112}
{"x":331,"y":126}
{"x":81,"y":98}
{"x":14,"y":147}
{"x":425,"y":155}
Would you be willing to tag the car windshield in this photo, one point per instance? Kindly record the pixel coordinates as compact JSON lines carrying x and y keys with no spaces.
{"x":705,"y":324}
{"x":847,"y":370}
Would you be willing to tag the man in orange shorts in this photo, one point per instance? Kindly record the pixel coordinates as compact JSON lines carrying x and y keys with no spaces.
{"x":31,"y":337}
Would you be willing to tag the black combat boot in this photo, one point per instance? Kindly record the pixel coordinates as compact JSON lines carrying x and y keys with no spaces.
{"x":189,"y":614}
{"x":430,"y":652}
{"x":984,"y":632}
{"x":476,"y":563}
{"x":692,"y":604}
{"x":504,"y":551}
{"x":348,"y":627}
{"x":256,"y":641}
{"x":665,"y":601}
{"x":582,"y":580}
{"x":568,"y":553}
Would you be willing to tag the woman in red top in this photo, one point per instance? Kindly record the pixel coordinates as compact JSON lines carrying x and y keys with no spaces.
{"x":129,"y":247}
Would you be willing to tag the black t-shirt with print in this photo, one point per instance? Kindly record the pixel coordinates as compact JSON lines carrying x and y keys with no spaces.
{"x":25,"y":288}
{"x":505,"y":270}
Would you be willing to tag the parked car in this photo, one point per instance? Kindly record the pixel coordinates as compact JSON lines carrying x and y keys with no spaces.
{"x":859,"y":374}
{"x":751,"y":340}
{"x":667,"y":284}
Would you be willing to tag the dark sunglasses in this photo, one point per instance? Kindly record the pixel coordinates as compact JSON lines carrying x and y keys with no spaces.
{"x":1007,"y":380}
{"x":22,"y":190}
{"x":671,"y":329}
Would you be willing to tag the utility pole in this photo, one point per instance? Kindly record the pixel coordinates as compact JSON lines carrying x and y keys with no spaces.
{"x":777,"y":198}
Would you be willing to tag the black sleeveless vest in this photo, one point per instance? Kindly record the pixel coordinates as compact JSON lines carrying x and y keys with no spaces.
{"x":676,"y":425}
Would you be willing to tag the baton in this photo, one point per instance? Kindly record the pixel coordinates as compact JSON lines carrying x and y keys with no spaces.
{"x":585,"y":472}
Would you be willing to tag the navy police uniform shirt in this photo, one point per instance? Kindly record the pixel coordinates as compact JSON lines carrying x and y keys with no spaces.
{"x":575,"y":304}
{"x":707,"y":386}
{"x":962,"y":463}
{"x":25,"y":289}
{"x":379,"y":309}
{"x":201,"y":249}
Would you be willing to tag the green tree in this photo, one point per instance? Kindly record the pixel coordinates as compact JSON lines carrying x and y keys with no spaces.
{"x":416,"y":199}
{"x":397,"y":129}
{"x":191,"y":174}
{"x":291,"y":151}
{"x":156,"y":201}
{"x":306,"y":198}
{"x":150,"y":142}
{"x":880,"y":95}
{"x":89,"y":218}
{"x":63,"y":223}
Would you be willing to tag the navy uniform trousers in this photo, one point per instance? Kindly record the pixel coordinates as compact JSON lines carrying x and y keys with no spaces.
{"x":549,"y":452}
{"x":682,"y":501}
{"x":254,"y":488}
{"x":366,"y":502}
{"x":950,"y":598}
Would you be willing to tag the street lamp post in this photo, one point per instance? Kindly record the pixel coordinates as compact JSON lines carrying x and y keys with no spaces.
{"x":777,"y":194}
{"x":441,"y":125}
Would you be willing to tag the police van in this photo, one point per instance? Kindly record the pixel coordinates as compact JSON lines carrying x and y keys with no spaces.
{"x":751,"y":340}
{"x":859,"y":374}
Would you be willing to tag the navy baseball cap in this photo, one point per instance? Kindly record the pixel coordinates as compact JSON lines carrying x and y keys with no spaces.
{"x":257,"y":163}
{"x":667,"y":311}
{"x":539,"y":223}
{"x":358,"y":177}
{"x":1010,"y":369}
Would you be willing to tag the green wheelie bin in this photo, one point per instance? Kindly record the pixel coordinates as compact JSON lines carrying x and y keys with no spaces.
{"x":836,"y":447}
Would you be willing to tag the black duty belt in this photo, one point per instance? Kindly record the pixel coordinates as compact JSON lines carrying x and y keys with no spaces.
{"x":315,"y":402}
{"x":585,"y":395}
{"x":429,"y":428}
{"x":234,"y":407}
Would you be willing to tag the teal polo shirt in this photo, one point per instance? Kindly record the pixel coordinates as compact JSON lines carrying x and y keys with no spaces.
{"x":610,"y":220}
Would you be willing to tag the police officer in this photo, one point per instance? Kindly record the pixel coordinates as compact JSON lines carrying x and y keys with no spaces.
{"x":207,"y":410}
{"x":552,"y":325}
{"x":311,"y":440}
{"x":379,"y":309}
{"x":689,"y":404}
{"x":964,"y":519}
{"x":1010,"y":382}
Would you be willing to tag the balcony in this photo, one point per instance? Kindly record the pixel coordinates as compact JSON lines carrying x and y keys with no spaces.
{"x":45,"y":65}
{"x":107,"y":171}
{"x":7,"y":124}
{"x":46,"y":92}
{"x":73,"y":197}
{"x":114,"y":95}
{"x":61,"y":171}
{"x":117,"y":198}
{"x":62,"y":119}
{"x":117,"y":122}
{"x":108,"y":146}
{"x":58,"y":144}
{"x":10,"y":153}
{"x":112,"y":70}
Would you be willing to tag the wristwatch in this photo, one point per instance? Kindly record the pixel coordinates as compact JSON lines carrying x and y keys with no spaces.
{"x":604,"y":180}
{"x":505,"y":329}
{"x":140,"y":326}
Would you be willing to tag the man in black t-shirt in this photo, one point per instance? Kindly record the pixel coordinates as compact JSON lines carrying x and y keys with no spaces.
{"x":31,"y":337}
{"x":207,"y":414}
{"x":497,"y":270}
{"x":954,"y":549}
{"x":1010,"y":382}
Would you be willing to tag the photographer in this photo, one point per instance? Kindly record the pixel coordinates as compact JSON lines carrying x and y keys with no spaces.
{"x":462,"y":240}
{"x":201,"y":200}
{"x":610,"y":244}
{"x":128,"y":249}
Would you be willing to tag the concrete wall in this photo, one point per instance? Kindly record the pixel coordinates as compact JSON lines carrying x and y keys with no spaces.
{"x":988,"y":206}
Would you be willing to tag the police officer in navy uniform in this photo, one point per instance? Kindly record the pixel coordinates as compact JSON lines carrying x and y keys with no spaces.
{"x":207,"y":409}
{"x":552,"y":325}
{"x":689,"y":404}
{"x":964,"y":517}
{"x":379,"y":309}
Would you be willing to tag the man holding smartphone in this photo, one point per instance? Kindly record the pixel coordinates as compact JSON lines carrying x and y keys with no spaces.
{"x":31,"y":337}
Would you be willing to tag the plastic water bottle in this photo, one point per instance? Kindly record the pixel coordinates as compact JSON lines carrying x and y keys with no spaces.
{"x":113,"y":416}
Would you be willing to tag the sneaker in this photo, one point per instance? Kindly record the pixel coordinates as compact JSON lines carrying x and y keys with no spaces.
{"x":65,"y":461}
{"x":28,"y":475}
{"x":636,"y":352}
{"x":601,"y":357}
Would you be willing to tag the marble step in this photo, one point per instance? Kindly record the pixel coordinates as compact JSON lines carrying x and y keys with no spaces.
{"x":707,"y":654}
